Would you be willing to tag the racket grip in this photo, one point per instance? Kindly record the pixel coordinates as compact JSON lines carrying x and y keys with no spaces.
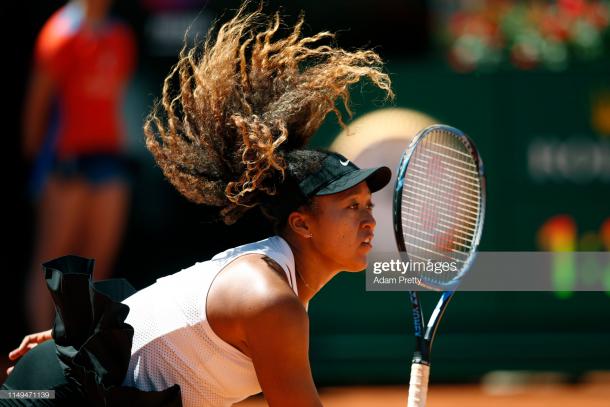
{"x":418,"y":385}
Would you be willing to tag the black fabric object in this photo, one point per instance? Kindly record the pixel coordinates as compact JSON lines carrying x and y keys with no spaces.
{"x":92,"y":344}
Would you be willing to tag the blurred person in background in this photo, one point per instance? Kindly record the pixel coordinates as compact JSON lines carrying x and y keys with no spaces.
{"x":73,"y":134}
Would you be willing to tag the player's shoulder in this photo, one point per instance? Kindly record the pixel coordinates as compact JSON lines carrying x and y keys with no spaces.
{"x":260,"y":272}
{"x":251,"y":296}
{"x":263,"y":283}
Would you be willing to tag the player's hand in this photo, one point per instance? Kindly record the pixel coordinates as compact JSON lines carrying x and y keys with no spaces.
{"x":29,"y":342}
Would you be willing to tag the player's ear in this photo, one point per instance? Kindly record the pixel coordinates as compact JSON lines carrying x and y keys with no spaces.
{"x":298,"y":222}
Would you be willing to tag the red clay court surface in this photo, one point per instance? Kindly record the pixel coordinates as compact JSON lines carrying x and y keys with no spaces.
{"x":581,"y":395}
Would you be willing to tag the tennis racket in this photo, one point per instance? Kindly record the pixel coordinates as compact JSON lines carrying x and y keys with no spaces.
{"x":439,"y":206}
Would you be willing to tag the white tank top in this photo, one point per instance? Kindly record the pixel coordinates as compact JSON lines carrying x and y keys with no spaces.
{"x":174,"y":343}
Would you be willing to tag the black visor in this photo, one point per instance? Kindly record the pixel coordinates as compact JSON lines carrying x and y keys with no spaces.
{"x":339,"y":174}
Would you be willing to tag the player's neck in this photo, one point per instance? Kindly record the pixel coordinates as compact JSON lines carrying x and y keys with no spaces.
{"x":312,"y":273}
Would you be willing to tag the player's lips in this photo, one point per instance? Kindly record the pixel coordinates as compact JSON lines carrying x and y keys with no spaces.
{"x":367,"y":242}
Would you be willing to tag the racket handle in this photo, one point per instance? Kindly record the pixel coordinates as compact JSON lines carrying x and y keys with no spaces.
{"x":418,"y":385}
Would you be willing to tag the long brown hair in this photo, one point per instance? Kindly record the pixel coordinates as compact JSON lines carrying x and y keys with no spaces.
{"x":235,"y":105}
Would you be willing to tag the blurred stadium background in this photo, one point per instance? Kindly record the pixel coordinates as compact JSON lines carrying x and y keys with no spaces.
{"x":529,"y":81}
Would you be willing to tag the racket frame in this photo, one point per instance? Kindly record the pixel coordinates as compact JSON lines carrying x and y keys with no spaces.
{"x":399,"y":185}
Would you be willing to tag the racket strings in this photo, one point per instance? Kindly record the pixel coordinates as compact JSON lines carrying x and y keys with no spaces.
{"x":441,"y":204}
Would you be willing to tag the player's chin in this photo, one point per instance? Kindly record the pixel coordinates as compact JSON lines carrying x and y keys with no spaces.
{"x":359,"y":261}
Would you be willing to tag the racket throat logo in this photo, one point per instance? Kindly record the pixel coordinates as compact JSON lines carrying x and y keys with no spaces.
{"x":417,"y":322}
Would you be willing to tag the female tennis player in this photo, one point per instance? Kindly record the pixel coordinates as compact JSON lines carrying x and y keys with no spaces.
{"x":229,"y":132}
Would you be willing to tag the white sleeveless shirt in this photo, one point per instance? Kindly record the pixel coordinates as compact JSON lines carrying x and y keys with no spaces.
{"x":174,"y":343}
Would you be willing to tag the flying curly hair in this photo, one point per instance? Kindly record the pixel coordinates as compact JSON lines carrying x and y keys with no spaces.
{"x":234,"y":106}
